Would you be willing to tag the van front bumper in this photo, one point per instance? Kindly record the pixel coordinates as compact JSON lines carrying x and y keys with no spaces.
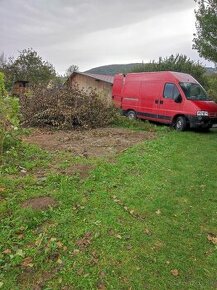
{"x":201,"y":121}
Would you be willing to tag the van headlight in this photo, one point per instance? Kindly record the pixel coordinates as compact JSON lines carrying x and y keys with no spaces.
{"x":202,"y":113}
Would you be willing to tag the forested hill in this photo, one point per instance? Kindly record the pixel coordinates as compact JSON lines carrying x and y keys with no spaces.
{"x":112,"y":69}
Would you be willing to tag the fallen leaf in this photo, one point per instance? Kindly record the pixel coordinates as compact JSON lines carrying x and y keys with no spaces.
{"x":174,"y":272}
{"x":101,"y":285}
{"x":80,"y":272}
{"x":7,"y":251}
{"x":21,"y":236}
{"x":76,"y":252}
{"x":129,"y":247}
{"x":27,"y":262}
{"x":111,"y":232}
{"x":119,"y":237}
{"x":59,"y":261}
{"x":2,"y":189}
{"x":20,"y":253}
{"x":158,"y":212}
{"x":147,"y":232}
{"x":116,"y":200}
{"x":85,"y":241}
{"x":59,"y":245}
{"x":212,"y":238}
{"x":102,"y":274}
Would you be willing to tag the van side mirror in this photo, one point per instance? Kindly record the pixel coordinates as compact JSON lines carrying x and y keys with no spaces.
{"x":178,"y":99}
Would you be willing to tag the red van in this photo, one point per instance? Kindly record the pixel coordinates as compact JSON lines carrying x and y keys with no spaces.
{"x":166,"y":97}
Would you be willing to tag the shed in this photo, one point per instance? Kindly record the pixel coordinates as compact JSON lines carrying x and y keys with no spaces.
{"x":86,"y":81}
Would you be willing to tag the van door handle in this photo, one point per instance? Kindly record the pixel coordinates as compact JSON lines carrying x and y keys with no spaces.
{"x":156,"y":101}
{"x":161,"y":102}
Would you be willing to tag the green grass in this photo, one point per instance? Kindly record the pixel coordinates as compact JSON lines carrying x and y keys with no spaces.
{"x":148,"y":213}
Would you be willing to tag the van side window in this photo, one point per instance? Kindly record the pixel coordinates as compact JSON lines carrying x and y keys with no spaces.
{"x":170,"y":91}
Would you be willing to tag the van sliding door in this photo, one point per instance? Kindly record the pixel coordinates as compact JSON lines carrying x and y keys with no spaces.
{"x":149,"y":100}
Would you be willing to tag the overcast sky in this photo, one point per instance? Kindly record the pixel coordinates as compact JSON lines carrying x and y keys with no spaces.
{"x":91,"y":33}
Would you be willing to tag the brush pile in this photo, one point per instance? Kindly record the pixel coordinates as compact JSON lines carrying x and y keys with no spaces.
{"x":66,"y":108}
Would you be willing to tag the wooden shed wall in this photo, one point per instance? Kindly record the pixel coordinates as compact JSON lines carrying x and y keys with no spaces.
{"x":87,"y":83}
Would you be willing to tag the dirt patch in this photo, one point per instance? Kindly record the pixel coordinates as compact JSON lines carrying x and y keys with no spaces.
{"x":82,"y":170}
{"x":85,"y":241}
{"x":35,"y":280}
{"x":40,"y":203}
{"x":2,"y":198}
{"x":90,"y":143}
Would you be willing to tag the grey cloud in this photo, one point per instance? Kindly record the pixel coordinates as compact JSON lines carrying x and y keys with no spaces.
{"x":84,"y":16}
{"x":61,"y":24}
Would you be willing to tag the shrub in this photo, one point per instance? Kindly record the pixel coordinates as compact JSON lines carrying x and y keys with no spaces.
{"x":178,"y":63}
{"x":66,"y":108}
{"x":9,"y":118}
{"x":212,"y":86}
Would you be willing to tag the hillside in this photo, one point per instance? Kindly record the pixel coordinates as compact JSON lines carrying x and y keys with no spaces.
{"x":113,"y":69}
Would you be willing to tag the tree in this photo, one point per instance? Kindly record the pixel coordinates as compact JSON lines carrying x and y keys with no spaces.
{"x":178,"y":63}
{"x":205,"y":40}
{"x":28,"y":66}
{"x":71,"y":69}
{"x":2,"y":60}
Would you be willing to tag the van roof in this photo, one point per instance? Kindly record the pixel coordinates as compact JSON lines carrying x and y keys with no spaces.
{"x":162,"y":75}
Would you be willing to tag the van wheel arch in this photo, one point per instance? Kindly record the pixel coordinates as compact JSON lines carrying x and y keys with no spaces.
{"x":131,"y":114}
{"x":180,"y":122}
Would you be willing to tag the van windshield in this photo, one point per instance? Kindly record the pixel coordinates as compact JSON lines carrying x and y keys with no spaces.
{"x":194,"y":92}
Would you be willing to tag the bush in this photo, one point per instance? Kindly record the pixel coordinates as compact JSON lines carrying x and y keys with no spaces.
{"x":178,"y":63}
{"x":66,"y":108}
{"x":212,"y":86}
{"x":9,"y":119}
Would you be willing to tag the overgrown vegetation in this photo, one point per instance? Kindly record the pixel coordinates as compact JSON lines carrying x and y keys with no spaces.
{"x":212,"y":86}
{"x":9,"y":119}
{"x":28,"y":66}
{"x":66,"y":108}
{"x":178,"y":63}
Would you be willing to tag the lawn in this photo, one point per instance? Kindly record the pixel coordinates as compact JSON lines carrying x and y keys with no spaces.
{"x":144,"y":219}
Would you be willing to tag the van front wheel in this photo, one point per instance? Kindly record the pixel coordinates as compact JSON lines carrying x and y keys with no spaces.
{"x":131,"y":115}
{"x":180,"y":124}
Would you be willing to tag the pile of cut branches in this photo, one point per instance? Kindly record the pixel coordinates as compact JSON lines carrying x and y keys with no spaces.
{"x":66,"y":108}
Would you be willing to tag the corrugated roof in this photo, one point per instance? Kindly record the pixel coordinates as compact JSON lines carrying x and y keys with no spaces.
{"x":104,"y":78}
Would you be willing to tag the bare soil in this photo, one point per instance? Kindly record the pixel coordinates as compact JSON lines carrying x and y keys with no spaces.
{"x":80,"y":169}
{"x":40,"y":203}
{"x":90,"y":143}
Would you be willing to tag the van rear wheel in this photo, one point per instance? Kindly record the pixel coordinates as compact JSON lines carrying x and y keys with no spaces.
{"x":131,"y":115}
{"x":180,"y":124}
